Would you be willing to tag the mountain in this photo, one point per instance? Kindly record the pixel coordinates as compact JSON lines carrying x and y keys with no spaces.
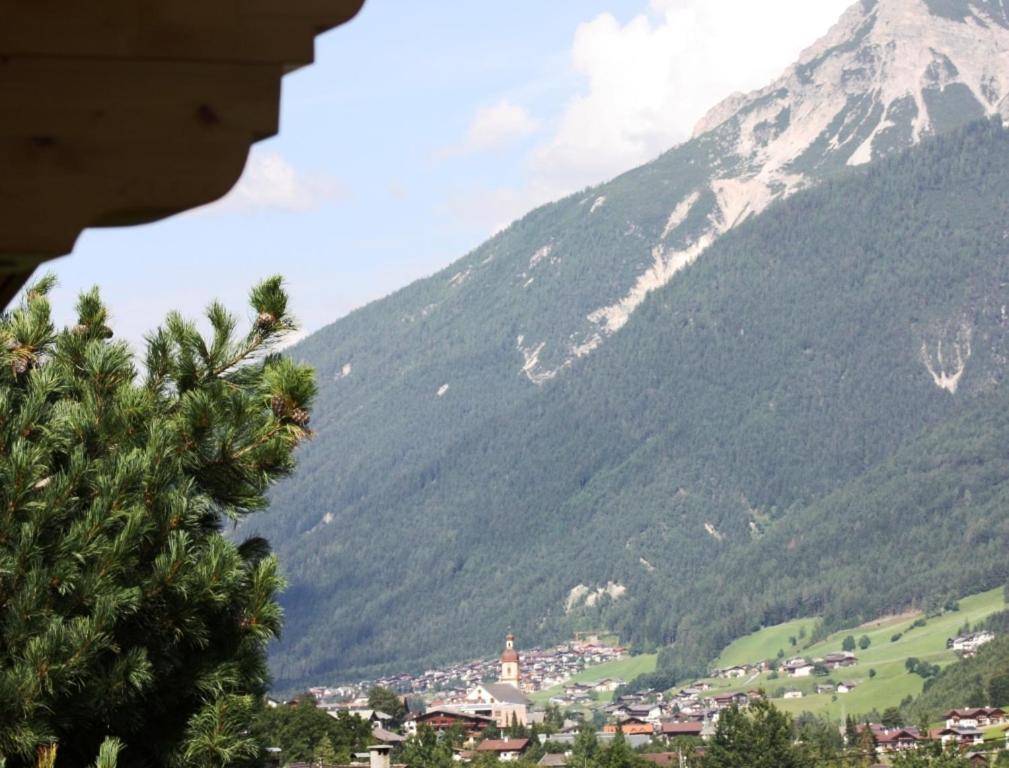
{"x":583,"y":418}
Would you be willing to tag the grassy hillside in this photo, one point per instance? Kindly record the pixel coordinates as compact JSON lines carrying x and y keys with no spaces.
{"x":891,"y":684}
{"x":765,"y":643}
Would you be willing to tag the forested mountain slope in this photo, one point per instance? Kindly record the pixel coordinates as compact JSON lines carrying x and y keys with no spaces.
{"x":573,"y":423}
{"x":800,"y":354}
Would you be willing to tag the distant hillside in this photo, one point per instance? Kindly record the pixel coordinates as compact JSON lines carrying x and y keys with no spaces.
{"x":967,"y":683}
{"x":880,"y":676}
{"x":655,"y":405}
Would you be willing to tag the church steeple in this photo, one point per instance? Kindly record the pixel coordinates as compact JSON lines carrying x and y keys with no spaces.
{"x":510,"y":662}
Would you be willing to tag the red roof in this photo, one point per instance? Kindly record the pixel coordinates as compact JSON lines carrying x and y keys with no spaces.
{"x":503,"y":745}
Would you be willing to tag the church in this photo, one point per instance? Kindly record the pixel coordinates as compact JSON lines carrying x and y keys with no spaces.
{"x":504,"y":700}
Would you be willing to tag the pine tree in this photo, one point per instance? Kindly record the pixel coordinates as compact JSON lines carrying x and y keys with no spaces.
{"x":757,"y":737}
{"x":324,"y":752}
{"x":129,"y":625}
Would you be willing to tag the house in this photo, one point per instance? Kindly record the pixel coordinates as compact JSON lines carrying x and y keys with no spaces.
{"x":825,"y":689}
{"x":506,"y":750}
{"x":443,"y":719}
{"x":963,"y":718}
{"x":978,"y":759}
{"x":897,"y":739}
{"x":630,"y":725}
{"x":846,"y":687}
{"x":607,"y":685}
{"x":798,"y":667}
{"x":731,"y":699}
{"x":961,"y":737}
{"x":674,"y":730}
{"x":979,"y":717}
{"x":383,"y":736}
{"x":968,"y":644}
{"x":646,"y":712}
{"x":792,"y":693}
{"x":835,"y":660}
{"x":733,"y":672}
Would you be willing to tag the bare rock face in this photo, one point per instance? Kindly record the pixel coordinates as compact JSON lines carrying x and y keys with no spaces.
{"x":887,"y":75}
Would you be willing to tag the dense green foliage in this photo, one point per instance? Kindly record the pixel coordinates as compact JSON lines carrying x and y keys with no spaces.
{"x":304,"y":732}
{"x":127,"y":621}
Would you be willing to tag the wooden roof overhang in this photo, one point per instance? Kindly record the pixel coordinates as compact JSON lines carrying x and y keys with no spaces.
{"x":126,"y":111}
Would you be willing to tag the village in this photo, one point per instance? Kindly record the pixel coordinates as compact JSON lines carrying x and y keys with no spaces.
{"x":542,"y":669}
{"x":488,"y":709}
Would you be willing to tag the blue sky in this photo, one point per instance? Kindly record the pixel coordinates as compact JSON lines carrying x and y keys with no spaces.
{"x":424,"y":127}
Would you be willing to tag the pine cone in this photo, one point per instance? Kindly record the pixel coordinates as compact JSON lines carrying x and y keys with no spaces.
{"x":20,"y":365}
{"x":80,"y":329}
{"x":265,"y":321}
{"x":300,"y":417}
{"x":279,"y":406}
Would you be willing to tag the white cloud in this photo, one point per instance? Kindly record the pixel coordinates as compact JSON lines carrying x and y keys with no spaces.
{"x":495,"y":126}
{"x":270,"y":182}
{"x":648,"y":81}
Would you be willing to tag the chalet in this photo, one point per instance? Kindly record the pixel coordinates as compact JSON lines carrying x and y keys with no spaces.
{"x":607,"y":685}
{"x":643,"y":712}
{"x":674,"y":730}
{"x":978,"y":759}
{"x":897,"y":739}
{"x":979,"y":717}
{"x":635,"y":740}
{"x":835,"y":660}
{"x":733,"y":672}
{"x":798,"y":667}
{"x":825,"y":689}
{"x":443,"y":719}
{"x":506,"y":750}
{"x":631,"y":725}
{"x":962,"y":718}
{"x":731,"y":699}
{"x":792,"y":693}
{"x":846,"y":687}
{"x":963,"y":737}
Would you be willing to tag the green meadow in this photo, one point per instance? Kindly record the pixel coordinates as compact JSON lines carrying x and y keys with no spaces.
{"x":881,"y":677}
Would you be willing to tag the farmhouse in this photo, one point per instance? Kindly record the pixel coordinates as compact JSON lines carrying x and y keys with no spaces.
{"x":506,"y":750}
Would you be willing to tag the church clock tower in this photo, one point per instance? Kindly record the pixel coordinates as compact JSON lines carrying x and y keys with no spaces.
{"x":510,"y":662}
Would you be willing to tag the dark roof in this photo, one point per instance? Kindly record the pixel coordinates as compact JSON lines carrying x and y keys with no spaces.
{"x":686,"y":729}
{"x":506,"y":693}
{"x":387,"y":737}
{"x":452,"y":713}
{"x":503,"y":745}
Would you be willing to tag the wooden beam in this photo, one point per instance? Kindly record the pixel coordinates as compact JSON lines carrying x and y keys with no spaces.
{"x":127,"y":111}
